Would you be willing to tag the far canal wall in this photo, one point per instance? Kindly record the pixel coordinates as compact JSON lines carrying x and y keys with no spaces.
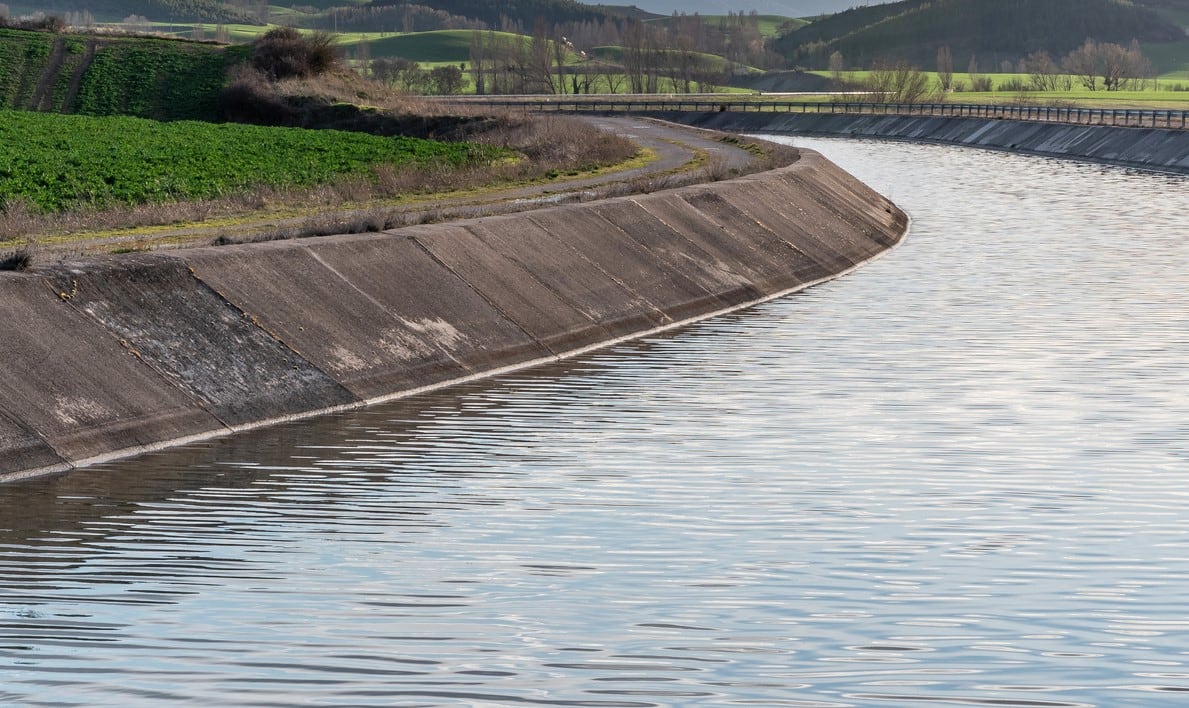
{"x":1146,"y":148}
{"x":117,"y":355}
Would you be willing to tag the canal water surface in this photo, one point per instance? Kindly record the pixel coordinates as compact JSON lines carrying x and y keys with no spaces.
{"x":958,"y":476}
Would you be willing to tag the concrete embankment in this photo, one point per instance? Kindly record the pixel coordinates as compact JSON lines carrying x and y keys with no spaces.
{"x":116,"y":355}
{"x":1146,"y":148}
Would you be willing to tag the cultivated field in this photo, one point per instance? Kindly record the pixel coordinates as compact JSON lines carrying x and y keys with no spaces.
{"x":55,"y":163}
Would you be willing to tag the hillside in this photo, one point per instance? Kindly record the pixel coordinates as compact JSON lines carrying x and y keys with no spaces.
{"x":156,"y":10}
{"x":991,"y":30}
{"x":100,"y":75}
{"x":525,"y":12}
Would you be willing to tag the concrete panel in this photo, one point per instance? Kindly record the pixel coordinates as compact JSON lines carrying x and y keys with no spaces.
{"x":863,"y":210}
{"x":789,"y":221}
{"x":396,"y":273}
{"x":632,"y":265}
{"x":749,"y":250}
{"x":316,"y":312}
{"x":834,"y":226}
{"x":1134,"y":147}
{"x":24,"y":451}
{"x":673,"y":252}
{"x":475,"y":255}
{"x":197,"y":340}
{"x":75,"y":390}
{"x":574,"y":278}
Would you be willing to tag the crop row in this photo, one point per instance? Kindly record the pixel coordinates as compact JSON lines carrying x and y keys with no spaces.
{"x":58,"y":162}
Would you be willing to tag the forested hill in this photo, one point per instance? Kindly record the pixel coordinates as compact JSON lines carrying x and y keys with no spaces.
{"x":157,"y":10}
{"x":525,"y":12}
{"x":991,"y":30}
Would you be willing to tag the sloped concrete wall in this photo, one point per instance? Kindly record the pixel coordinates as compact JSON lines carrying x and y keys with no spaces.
{"x":1147,"y":148}
{"x":117,"y":355}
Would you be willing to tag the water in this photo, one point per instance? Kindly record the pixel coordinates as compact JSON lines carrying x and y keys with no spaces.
{"x":958,"y":476}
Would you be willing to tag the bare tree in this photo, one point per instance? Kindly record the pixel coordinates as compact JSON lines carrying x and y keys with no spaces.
{"x":635,"y":48}
{"x":1119,"y":67}
{"x":1083,"y":63}
{"x":363,"y":57}
{"x":540,"y":64}
{"x":945,"y":68}
{"x":613,"y":75}
{"x":478,"y":56}
{"x":1044,"y":74}
{"x":837,"y":64}
{"x":561,"y":50}
{"x":897,"y":83}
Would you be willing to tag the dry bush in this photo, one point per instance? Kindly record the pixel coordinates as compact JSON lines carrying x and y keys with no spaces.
{"x":285,"y":52}
{"x":18,"y":259}
{"x":553,"y":142}
{"x":250,"y":97}
{"x":17,"y":220}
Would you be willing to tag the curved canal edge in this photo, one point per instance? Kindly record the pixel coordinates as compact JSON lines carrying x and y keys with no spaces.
{"x":118,"y":355}
{"x":1145,"y":148}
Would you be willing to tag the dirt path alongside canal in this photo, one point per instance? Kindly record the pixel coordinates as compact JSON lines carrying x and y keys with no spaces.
{"x":675,"y":155}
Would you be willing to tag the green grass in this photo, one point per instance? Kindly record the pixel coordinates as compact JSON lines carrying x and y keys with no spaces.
{"x":164,"y":80}
{"x":452,"y":46}
{"x":714,"y":61}
{"x":1158,"y":94}
{"x":58,"y":162}
{"x":1171,"y":59}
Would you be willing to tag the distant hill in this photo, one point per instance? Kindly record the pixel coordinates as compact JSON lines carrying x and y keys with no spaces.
{"x":156,"y":10}
{"x":493,"y":12}
{"x":1174,"y":10}
{"x":990,"y":30}
{"x":788,"y":8}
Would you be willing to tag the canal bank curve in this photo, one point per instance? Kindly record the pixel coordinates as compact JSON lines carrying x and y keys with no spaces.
{"x":1146,"y":148}
{"x":113,"y":356}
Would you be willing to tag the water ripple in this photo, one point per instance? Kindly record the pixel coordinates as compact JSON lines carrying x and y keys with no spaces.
{"x":955,"y":477}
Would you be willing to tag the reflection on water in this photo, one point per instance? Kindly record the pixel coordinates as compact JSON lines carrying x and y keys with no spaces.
{"x":955,"y":477}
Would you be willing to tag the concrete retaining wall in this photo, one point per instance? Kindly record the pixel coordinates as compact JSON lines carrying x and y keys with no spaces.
{"x":1147,"y":148}
{"x":121,"y":354}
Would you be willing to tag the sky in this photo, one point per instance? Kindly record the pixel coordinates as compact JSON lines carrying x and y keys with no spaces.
{"x":788,"y":8}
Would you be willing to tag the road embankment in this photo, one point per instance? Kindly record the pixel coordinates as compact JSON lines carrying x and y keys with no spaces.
{"x":1145,"y":148}
{"x":116,"y":355}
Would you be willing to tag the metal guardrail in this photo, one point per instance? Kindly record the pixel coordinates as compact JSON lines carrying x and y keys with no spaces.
{"x":1118,"y":117}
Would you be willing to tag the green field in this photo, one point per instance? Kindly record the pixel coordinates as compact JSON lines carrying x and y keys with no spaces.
{"x":1165,"y":92}
{"x":57,"y":162}
{"x":443,"y":46}
{"x":102,"y":75}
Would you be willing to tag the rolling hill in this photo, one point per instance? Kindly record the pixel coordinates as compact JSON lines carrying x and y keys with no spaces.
{"x":156,"y":10}
{"x":990,"y":30}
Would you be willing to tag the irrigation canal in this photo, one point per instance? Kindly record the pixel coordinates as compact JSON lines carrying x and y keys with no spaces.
{"x":958,"y":476}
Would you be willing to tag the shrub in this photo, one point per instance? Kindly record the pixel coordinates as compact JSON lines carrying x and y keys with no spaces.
{"x":251,"y":98}
{"x":285,"y":52}
{"x":1015,"y":85}
{"x":20,"y":259}
{"x":981,"y":84}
